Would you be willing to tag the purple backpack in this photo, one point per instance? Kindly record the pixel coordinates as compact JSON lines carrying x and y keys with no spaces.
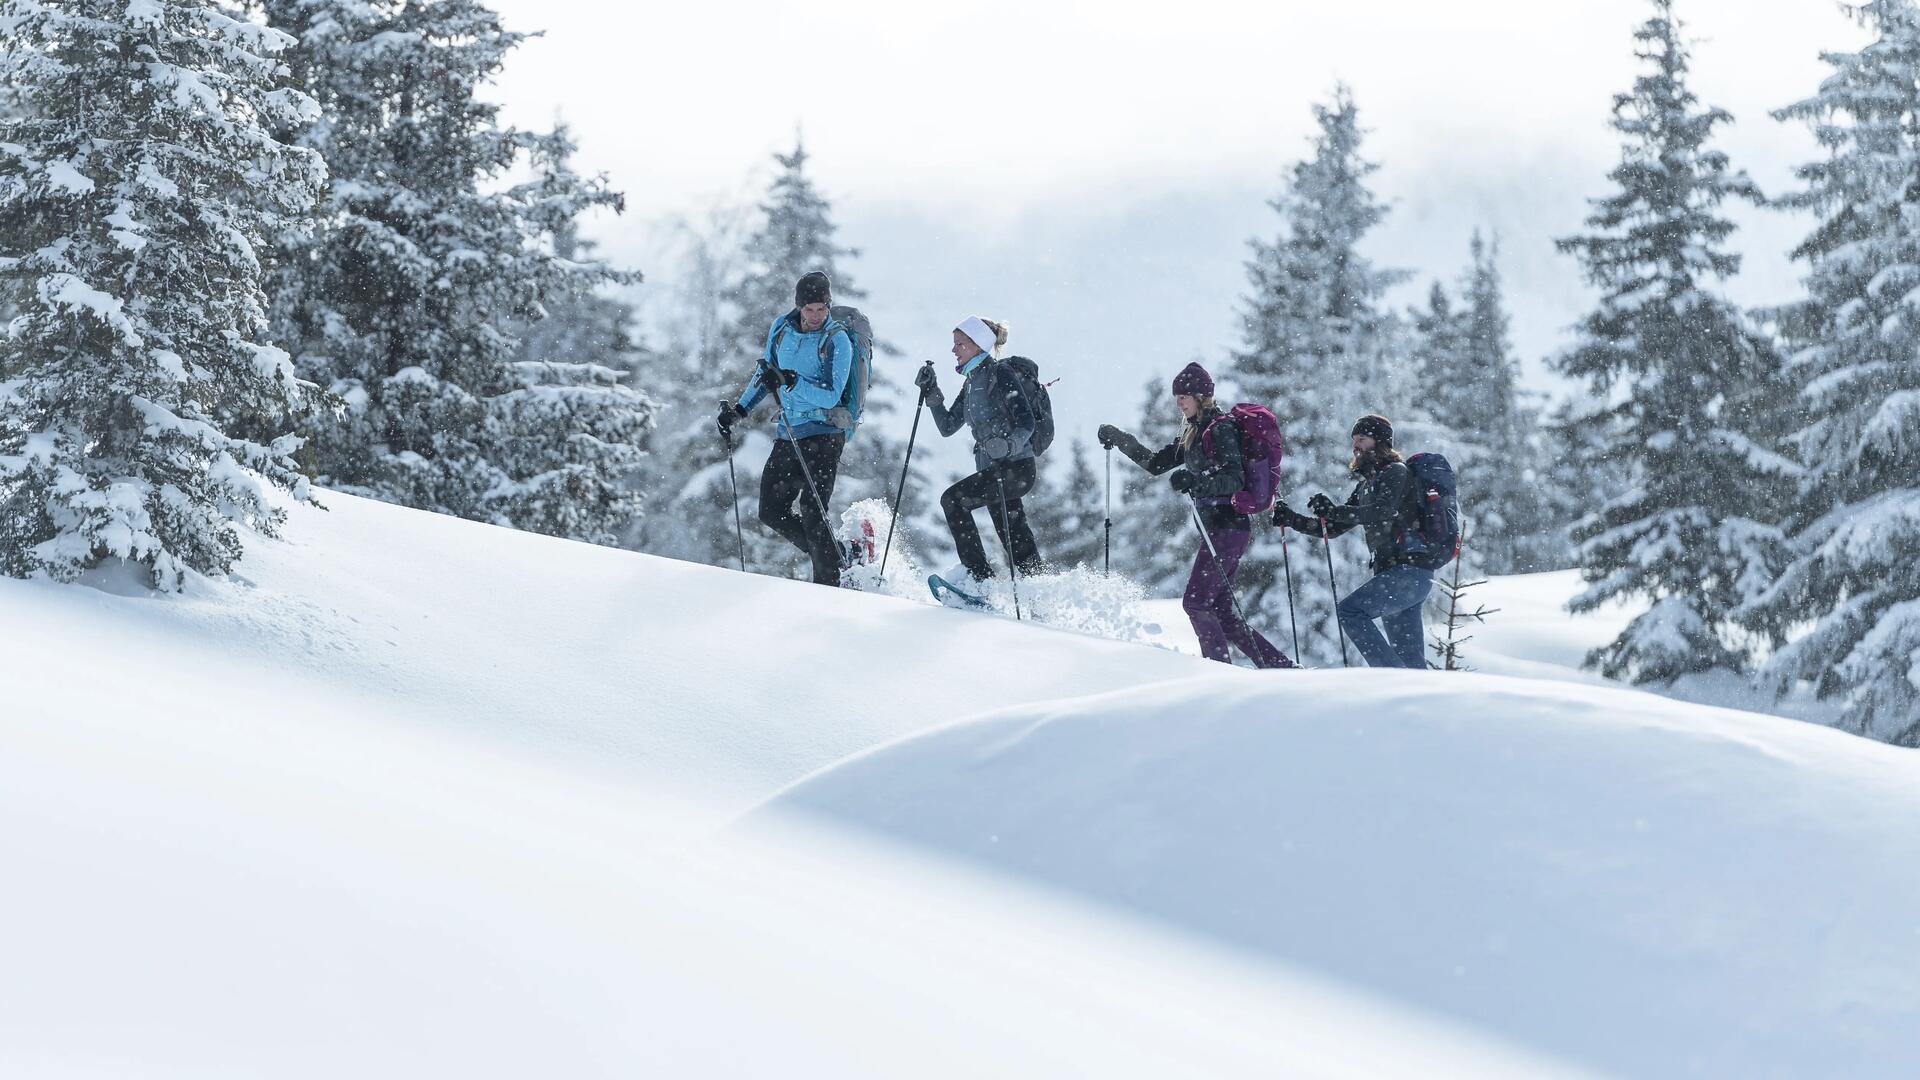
{"x":1261,"y":448}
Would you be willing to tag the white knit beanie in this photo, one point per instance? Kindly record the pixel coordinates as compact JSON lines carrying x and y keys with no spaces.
{"x":978,"y":332}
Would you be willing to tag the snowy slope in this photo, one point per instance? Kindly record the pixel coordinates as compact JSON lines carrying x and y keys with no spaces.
{"x":412,"y":777}
{"x":643,"y":667}
{"x":1620,"y":880}
{"x":199,"y":886}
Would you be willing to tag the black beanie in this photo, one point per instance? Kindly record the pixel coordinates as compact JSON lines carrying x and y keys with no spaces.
{"x":814,"y":288}
{"x":1374,"y":427}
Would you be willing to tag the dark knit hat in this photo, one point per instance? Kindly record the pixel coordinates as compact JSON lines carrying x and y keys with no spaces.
{"x":813,"y":288}
{"x":1194,"y":380}
{"x":1374,"y":427}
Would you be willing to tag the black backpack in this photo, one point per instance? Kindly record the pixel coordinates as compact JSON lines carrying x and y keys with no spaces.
{"x":1038,"y":400}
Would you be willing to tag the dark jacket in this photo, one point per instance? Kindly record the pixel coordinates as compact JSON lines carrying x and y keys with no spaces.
{"x":1379,"y":504}
{"x":993,"y":405}
{"x":1220,"y":472}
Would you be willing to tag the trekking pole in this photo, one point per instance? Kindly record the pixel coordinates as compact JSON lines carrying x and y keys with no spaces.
{"x":1327,"y":543}
{"x":902,"y":489}
{"x":1006,"y":541}
{"x":1194,"y":505}
{"x":1286,"y":562}
{"x":733,"y":483}
{"x":1106,"y":558}
{"x":780,"y":400}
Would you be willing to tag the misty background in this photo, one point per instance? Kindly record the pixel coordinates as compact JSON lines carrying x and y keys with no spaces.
{"x":1092,"y":174}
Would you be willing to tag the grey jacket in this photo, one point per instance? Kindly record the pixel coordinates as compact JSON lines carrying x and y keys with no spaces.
{"x":993,"y":406}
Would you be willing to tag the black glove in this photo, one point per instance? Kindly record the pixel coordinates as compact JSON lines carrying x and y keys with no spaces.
{"x":1183,"y":481}
{"x":729,"y":414}
{"x":996,"y":449}
{"x":1108,"y":435}
{"x":1320,"y":505}
{"x":1282,"y":514}
{"x":776,"y":379}
{"x":926,"y":380}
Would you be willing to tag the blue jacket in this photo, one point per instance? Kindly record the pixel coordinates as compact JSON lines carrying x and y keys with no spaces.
{"x":993,"y":405}
{"x":822,"y":380}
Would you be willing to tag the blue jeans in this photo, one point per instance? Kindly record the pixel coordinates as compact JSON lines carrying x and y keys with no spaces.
{"x":1393,"y":597}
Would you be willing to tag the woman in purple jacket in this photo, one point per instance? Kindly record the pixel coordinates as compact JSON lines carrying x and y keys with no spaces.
{"x":1211,"y":469}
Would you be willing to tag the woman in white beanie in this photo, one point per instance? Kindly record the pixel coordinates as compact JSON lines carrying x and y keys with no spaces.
{"x":992,"y":405}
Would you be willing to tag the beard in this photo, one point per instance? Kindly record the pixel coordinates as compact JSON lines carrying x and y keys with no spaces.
{"x":1371,"y":461}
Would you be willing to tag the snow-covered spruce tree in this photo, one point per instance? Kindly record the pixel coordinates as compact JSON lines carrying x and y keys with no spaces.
{"x":1468,"y":386}
{"x":1849,"y":600}
{"x":1152,"y":536}
{"x":572,"y":436}
{"x":1068,"y":513}
{"x":1580,"y":445}
{"x":403,"y":303}
{"x":139,"y":181}
{"x":1320,"y":346}
{"x":686,"y":474}
{"x":795,"y":234}
{"x":1688,"y":381}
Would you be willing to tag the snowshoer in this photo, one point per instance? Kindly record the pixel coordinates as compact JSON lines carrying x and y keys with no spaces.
{"x":1211,"y":469}
{"x":1380,"y":504}
{"x":994,"y":407}
{"x":806,"y":364}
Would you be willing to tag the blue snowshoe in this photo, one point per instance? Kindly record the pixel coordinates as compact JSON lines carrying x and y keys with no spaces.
{"x":951,"y":595}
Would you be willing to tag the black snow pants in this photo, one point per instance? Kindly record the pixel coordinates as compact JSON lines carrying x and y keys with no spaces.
{"x":984,"y":489}
{"x":783,"y":486}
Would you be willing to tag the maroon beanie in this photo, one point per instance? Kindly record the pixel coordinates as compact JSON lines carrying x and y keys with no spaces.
{"x":1194,"y":380}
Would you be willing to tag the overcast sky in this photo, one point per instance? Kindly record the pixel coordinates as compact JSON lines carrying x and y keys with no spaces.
{"x":1091,"y":172}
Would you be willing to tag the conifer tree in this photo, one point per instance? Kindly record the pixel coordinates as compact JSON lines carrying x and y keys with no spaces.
{"x":1153,"y":537}
{"x":1468,"y":386}
{"x":1068,"y":514}
{"x":1687,"y":380}
{"x":1321,"y":348}
{"x":1851,"y":593}
{"x":405,"y":301}
{"x":140,"y":183}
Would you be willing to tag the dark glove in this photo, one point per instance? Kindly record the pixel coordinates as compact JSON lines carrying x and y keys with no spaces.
{"x":1282,"y":514}
{"x":926,"y":380}
{"x":1108,"y":435}
{"x":1183,"y":481}
{"x":729,"y":414}
{"x":776,"y":379}
{"x":996,"y":449}
{"x":1320,"y":505}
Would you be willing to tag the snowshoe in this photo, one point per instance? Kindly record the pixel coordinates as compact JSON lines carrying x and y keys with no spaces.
{"x":946,"y":592}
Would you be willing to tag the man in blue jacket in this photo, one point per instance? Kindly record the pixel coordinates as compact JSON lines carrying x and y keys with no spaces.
{"x":806,"y":364}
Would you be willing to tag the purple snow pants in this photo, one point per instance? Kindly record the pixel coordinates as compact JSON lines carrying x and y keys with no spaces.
{"x":1209,"y":603}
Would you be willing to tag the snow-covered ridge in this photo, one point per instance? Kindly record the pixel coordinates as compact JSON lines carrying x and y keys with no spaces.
{"x":1637,"y":885}
{"x":468,"y":776}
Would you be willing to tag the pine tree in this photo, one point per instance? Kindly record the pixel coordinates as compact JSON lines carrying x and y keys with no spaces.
{"x":1153,"y":536}
{"x":795,"y":235}
{"x":139,"y":182}
{"x":687,"y":475}
{"x":1321,"y":347}
{"x":1851,"y":594}
{"x":405,"y":301}
{"x":1468,"y":384}
{"x":581,"y":372}
{"x":1068,"y":515}
{"x":1582,"y":445}
{"x":1686,"y":378}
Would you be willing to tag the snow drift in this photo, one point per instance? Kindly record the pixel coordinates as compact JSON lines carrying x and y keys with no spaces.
{"x":1627,"y":882}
